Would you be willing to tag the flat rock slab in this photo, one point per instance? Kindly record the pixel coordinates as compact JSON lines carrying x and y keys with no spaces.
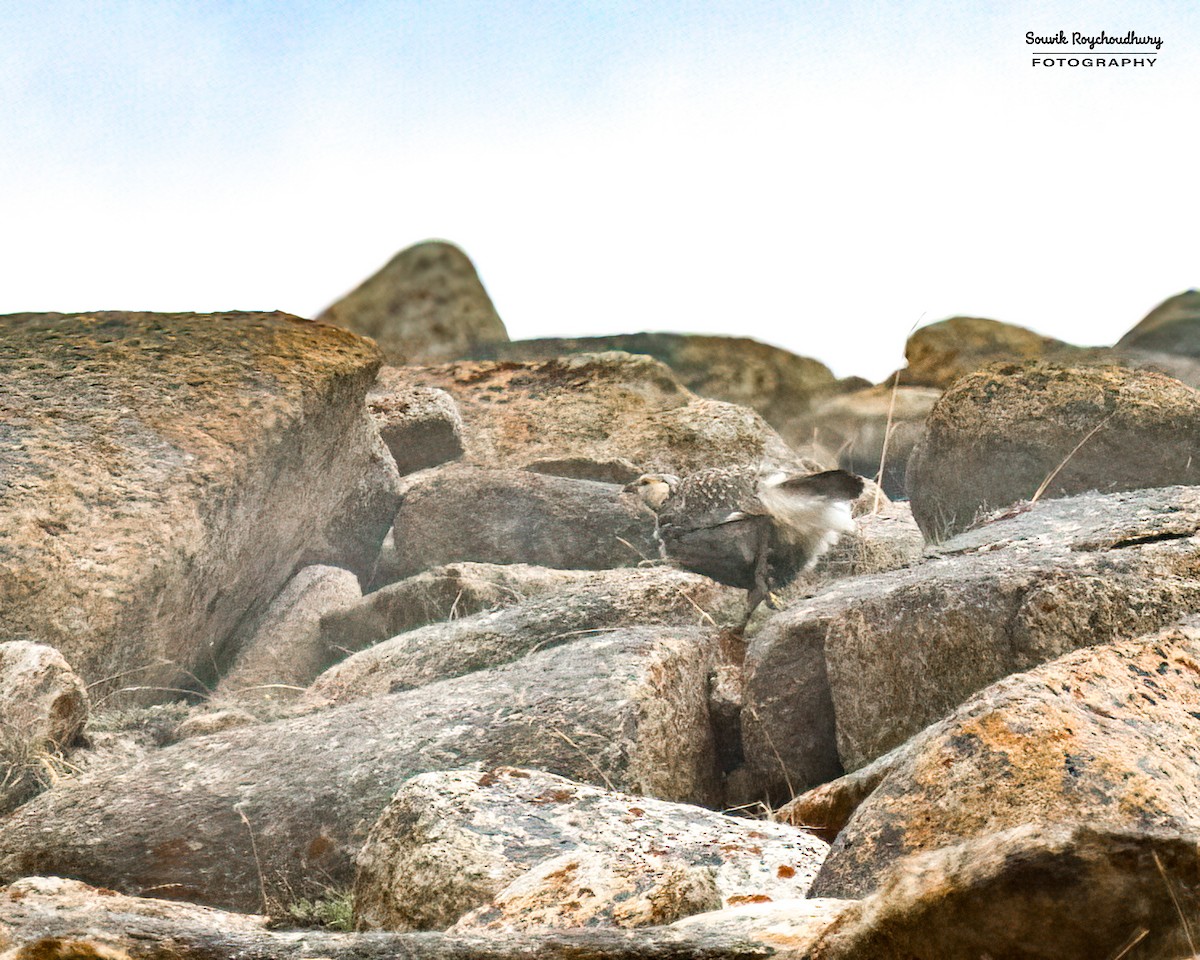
{"x":1106,"y":736}
{"x":1014,"y":432}
{"x":48,"y":917}
{"x":165,"y":474}
{"x":835,"y":682}
{"x":285,"y":806}
{"x":454,"y":841}
{"x":448,"y":592}
{"x":601,"y":407}
{"x":604,"y":601}
{"x":464,"y":512}
{"x":1062,"y":892}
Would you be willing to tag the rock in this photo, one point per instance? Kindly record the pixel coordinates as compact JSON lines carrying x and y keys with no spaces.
{"x":1014,"y":431}
{"x":44,"y":918}
{"x":942,"y":352}
{"x":1063,"y":892}
{"x":426,"y":304}
{"x":165,"y":474}
{"x":461,"y":841}
{"x":776,"y":383}
{"x":835,"y":682}
{"x":603,"y":601}
{"x":420,"y":425}
{"x":786,"y":926}
{"x":449,"y":592}
{"x":586,"y":888}
{"x":1184,"y":369}
{"x":1172,"y":327}
{"x":824,"y":811}
{"x":287,"y":649}
{"x":855,"y":425}
{"x":43,"y":707}
{"x":280,"y":809}
{"x":461,"y":512}
{"x":214,"y":721}
{"x":1102,"y":736}
{"x":40,"y":695}
{"x":600,"y":407}
{"x":613,"y":470}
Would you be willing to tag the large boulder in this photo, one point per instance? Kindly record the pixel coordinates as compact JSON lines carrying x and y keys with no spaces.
{"x":280,"y":809}
{"x":942,"y":352}
{"x":1103,"y":736}
{"x":1015,"y":432}
{"x":454,"y":842}
{"x":461,"y":512}
{"x":835,"y":682}
{"x":600,"y":408}
{"x":777,"y":383}
{"x":420,"y":425}
{"x":426,"y":304}
{"x":1064,"y":892}
{"x":164,"y":476}
{"x":43,"y":707}
{"x":605,"y":600}
{"x":872,"y":428}
{"x":1171,"y":327}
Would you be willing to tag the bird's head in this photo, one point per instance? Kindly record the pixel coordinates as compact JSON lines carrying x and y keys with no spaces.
{"x":654,"y":488}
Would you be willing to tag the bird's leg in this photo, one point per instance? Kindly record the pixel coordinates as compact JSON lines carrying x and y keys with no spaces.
{"x":762,"y":589}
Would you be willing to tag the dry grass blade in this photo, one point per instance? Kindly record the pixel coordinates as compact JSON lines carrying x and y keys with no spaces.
{"x":887,"y":437}
{"x":634,"y":549}
{"x":1187,"y":930}
{"x":887,"y":430}
{"x":262,"y":883}
{"x":1065,"y":460}
{"x":1138,"y":936}
{"x":778,"y":757}
{"x":586,"y":756}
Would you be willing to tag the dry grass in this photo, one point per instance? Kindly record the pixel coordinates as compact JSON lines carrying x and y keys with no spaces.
{"x":28,"y":766}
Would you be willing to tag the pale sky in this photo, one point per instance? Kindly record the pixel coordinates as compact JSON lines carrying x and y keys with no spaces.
{"x":819,"y":175}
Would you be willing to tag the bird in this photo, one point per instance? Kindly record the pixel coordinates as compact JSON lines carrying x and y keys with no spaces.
{"x":749,"y":527}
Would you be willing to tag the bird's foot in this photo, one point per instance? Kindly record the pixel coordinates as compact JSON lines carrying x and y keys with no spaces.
{"x":652,"y":563}
{"x":773,"y":601}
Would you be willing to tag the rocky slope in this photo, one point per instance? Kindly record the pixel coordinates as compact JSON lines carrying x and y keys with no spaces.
{"x":290,"y":644}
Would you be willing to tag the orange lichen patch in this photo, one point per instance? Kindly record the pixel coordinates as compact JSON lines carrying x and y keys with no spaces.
{"x":555,"y":796}
{"x":739,"y":899}
{"x":320,"y":846}
{"x":785,"y":872}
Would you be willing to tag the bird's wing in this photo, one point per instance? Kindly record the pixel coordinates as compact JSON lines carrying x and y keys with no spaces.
{"x":812,"y":507}
{"x":832,"y":485}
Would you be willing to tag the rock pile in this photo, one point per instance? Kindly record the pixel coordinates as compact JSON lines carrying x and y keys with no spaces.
{"x":344,"y":661}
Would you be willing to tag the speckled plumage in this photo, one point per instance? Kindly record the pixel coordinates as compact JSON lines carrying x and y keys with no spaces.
{"x":748,"y":529}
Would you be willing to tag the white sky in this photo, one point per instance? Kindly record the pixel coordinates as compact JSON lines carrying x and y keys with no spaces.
{"x":817,"y":175}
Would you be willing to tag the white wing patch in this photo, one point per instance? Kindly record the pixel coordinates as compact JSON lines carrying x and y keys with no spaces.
{"x":814,"y":523}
